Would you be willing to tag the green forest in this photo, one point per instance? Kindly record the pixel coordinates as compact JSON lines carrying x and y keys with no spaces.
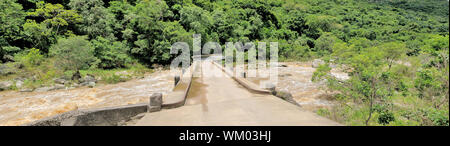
{"x":396,"y":51}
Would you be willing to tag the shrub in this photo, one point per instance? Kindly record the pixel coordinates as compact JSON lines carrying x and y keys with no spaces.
{"x":438,"y":117}
{"x":386,"y":117}
{"x":73,"y":53}
{"x":112,"y":54}
{"x":31,"y":59}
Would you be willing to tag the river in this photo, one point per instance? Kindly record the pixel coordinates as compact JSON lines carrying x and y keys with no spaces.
{"x":17,"y":108}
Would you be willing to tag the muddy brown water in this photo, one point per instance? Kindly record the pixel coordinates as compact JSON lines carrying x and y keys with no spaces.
{"x":17,"y":108}
{"x":296,"y":79}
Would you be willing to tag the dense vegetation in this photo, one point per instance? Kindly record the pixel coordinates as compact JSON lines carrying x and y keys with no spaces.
{"x":396,"y":51}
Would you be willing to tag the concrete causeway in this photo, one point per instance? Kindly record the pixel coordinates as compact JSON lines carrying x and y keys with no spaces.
{"x":221,"y":101}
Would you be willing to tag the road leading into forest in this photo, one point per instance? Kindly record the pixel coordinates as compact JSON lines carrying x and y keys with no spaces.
{"x":220,"y":101}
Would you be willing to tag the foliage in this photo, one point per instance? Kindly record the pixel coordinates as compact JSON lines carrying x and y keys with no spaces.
{"x":50,"y":20}
{"x":112,"y":54}
{"x":73,"y":53}
{"x":97,"y":21}
{"x":395,"y":51}
{"x":11,"y":18}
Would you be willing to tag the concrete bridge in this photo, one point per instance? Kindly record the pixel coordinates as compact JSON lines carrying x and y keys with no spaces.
{"x":225,"y":101}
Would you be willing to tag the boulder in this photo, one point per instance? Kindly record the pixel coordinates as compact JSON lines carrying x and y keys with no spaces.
{"x":6,"y":70}
{"x":88,"y":78}
{"x":6,"y":85}
{"x":19,"y":84}
{"x":285,"y":75}
{"x":91,"y":84}
{"x":269,"y":86}
{"x":26,"y":90}
{"x":317,"y":62}
{"x":285,"y":95}
{"x":282,"y":65}
{"x":84,"y":84}
{"x":60,"y":81}
{"x":44,"y":89}
{"x":75,"y":85}
{"x":76,"y":76}
{"x":50,"y":88}
{"x":58,"y":86}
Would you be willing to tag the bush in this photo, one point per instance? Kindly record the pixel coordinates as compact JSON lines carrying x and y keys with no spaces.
{"x":386,"y":117}
{"x":30,"y":61}
{"x":112,"y":54}
{"x":73,"y":53}
{"x":438,"y":117}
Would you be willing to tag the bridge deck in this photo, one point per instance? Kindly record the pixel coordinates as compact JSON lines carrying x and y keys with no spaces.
{"x":221,"y":101}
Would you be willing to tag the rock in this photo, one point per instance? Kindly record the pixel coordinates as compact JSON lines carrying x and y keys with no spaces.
{"x":44,"y":89}
{"x":282,"y":65}
{"x":269,"y":86}
{"x":26,"y":90}
{"x":60,"y":81}
{"x":285,"y":95}
{"x":76,"y":76}
{"x":76,"y":85}
{"x":84,"y":84}
{"x":59,"y":86}
{"x":89,"y":78}
{"x":340,"y":76}
{"x":285,"y":75}
{"x":19,"y":84}
{"x":50,"y":88}
{"x":6,"y":70}
{"x":5,"y":85}
{"x":317,"y":62}
{"x":91,"y":84}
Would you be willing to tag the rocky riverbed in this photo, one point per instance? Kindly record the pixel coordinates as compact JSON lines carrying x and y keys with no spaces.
{"x":295,"y":78}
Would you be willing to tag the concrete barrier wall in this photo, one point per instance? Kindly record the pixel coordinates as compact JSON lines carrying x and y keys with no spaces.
{"x":109,"y":116}
{"x":244,"y":82}
{"x":112,"y":116}
{"x":177,"y":97}
{"x":286,"y":96}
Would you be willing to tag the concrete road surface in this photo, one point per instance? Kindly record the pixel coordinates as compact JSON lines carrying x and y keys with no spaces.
{"x":221,"y":101}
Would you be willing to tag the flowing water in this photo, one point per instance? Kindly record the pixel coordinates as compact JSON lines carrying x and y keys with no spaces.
{"x":18,"y":108}
{"x":296,"y":79}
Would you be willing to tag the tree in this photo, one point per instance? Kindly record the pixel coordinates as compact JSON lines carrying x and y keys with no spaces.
{"x":197,"y":20}
{"x":150,"y":36}
{"x":112,"y":54}
{"x":73,"y":53}
{"x":97,"y":20}
{"x":55,"y":21}
{"x":393,"y":51}
{"x":325,"y":43}
{"x":11,"y":18}
{"x":367,"y":84}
